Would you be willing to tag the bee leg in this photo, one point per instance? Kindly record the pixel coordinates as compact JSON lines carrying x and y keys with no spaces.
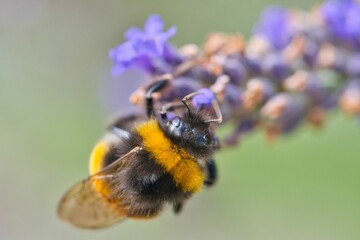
{"x":177,"y":207}
{"x":211,"y":173}
{"x":156,"y":86}
{"x":170,"y":107}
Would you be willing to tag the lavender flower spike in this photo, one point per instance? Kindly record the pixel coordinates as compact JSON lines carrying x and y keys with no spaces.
{"x":295,"y":67}
{"x":146,"y":49}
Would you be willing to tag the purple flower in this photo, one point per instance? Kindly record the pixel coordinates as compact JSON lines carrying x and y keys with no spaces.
{"x":334,"y":13}
{"x":235,"y":69}
{"x":233,"y":95}
{"x":244,"y":126}
{"x":314,"y":88}
{"x":145,"y":49}
{"x":276,"y":67}
{"x":343,"y":20}
{"x":285,"y":110}
{"x":275,"y":26}
{"x":204,"y":98}
{"x":310,"y":53}
{"x":179,"y":88}
{"x":353,"y":65}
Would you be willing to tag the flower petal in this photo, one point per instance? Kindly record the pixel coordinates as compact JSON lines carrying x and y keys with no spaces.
{"x":204,"y":98}
{"x":133,"y":33}
{"x":154,"y":24}
{"x":170,"y":32}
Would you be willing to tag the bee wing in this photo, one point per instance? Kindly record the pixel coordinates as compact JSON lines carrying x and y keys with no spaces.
{"x":89,"y":203}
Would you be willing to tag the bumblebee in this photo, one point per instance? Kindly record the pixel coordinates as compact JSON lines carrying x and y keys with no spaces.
{"x":143,"y":164}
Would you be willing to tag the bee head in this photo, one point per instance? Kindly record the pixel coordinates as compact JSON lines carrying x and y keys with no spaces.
{"x":192,"y":129}
{"x":193,"y":133}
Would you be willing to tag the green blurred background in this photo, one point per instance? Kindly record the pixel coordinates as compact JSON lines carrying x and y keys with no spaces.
{"x":54,"y":68}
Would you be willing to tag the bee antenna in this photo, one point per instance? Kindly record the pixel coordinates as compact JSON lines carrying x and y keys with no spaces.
{"x":188,"y":107}
{"x":214,"y":103}
{"x":185,"y":99}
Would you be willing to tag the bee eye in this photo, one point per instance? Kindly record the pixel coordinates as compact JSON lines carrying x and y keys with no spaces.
{"x":203,"y":140}
{"x":176,"y":122}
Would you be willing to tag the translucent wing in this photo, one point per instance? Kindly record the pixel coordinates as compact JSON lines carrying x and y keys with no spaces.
{"x":89,"y":203}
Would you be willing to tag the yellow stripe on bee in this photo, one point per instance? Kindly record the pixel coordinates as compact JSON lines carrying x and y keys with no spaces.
{"x":97,"y":157}
{"x":96,"y":164}
{"x":186,"y":172}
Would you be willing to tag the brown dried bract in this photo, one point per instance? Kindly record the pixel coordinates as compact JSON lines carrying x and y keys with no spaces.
{"x":316,"y":116}
{"x":214,"y":64}
{"x":224,"y":44}
{"x":254,"y":94}
{"x":295,"y":49}
{"x":137,"y":97}
{"x":190,"y":51}
{"x":297,"y":82}
{"x":327,"y":56}
{"x":219,"y":86}
{"x":235,"y":45}
{"x":272,"y":132}
{"x":257,"y":46}
{"x":214,"y":42}
{"x":275,"y":107}
{"x":350,"y":101}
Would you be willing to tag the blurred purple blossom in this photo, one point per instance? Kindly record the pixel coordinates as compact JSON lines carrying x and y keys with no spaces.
{"x":276,"y":67}
{"x":353,"y":65}
{"x":180,"y":87}
{"x":343,"y":20}
{"x":246,"y":125}
{"x":285,"y":111}
{"x":233,"y":95}
{"x":146,"y":49}
{"x":275,"y":26}
{"x":204,"y":98}
{"x":235,"y":69}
